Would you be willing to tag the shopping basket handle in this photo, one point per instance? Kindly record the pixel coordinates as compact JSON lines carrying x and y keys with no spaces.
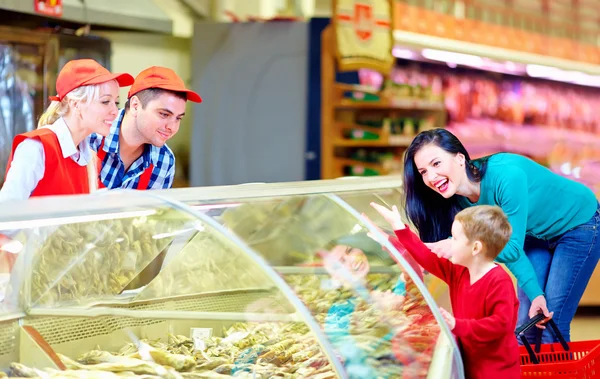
{"x":539,"y":319}
{"x":529,"y":324}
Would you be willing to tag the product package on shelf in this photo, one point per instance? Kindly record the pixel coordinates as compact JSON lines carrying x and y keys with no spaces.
{"x":406,"y":88}
{"x":372,"y":138}
{"x":492,"y":113}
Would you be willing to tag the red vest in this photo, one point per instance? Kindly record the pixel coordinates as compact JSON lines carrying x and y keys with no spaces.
{"x":62,"y":176}
{"x":144,"y":181}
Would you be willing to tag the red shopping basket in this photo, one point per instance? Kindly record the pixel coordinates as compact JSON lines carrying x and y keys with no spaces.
{"x":576,"y":360}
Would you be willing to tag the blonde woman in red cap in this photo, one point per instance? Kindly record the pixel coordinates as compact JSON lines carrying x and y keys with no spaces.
{"x":134,"y":154}
{"x":55,"y":158}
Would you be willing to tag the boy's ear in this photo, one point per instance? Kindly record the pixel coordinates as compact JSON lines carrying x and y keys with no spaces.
{"x":477,"y":248}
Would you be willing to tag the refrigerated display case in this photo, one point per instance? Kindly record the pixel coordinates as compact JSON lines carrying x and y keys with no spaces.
{"x":133,"y":281}
{"x":275,"y":216}
{"x":357,"y":192}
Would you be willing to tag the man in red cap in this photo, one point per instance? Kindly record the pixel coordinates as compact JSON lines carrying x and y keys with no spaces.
{"x":134,"y":154}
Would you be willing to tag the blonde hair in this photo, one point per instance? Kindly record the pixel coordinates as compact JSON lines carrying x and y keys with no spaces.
{"x":488,"y":224}
{"x":58,"y":109}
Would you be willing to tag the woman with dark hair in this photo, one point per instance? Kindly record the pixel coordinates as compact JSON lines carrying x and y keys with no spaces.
{"x":554,"y":246}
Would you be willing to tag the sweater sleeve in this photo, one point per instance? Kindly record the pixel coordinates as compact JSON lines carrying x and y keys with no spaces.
{"x":499,"y":306}
{"x":406,"y":255}
{"x":440,"y":267}
{"x":512,"y":196}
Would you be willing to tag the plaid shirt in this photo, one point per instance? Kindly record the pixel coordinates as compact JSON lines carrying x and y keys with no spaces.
{"x":113,"y":173}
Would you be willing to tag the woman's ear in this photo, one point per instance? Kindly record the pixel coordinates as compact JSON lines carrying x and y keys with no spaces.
{"x":75,"y":106}
{"x":460,"y":158}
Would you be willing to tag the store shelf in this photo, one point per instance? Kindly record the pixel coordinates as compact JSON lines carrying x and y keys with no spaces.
{"x":411,"y":39}
{"x":202,"y":300}
{"x":400,"y":104}
{"x":355,"y":87}
{"x":11,"y":316}
{"x":342,"y":126}
{"x":404,"y":104}
{"x":356,"y":163}
{"x":402,"y":141}
{"x":164,"y":315}
{"x":343,"y":105}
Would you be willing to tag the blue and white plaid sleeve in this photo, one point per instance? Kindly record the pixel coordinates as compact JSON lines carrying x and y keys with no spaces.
{"x":164,"y":172}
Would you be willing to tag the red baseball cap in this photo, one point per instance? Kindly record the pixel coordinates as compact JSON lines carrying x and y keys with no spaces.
{"x":164,"y":78}
{"x":83,"y":72}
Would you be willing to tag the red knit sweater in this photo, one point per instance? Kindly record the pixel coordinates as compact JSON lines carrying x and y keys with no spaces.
{"x":485,"y":311}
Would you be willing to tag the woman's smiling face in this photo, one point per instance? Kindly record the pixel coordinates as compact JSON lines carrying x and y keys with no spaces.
{"x":441,"y":171}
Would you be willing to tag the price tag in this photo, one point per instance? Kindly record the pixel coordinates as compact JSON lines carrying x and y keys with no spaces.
{"x":130,"y":261}
{"x":201,"y":333}
{"x":199,"y":345}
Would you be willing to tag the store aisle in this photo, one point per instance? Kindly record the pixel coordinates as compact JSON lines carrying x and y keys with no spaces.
{"x":585,"y":328}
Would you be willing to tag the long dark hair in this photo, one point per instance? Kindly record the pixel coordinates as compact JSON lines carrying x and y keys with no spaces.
{"x":431,"y":213}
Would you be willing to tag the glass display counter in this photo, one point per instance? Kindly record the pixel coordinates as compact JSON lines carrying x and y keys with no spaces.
{"x":358,"y":193}
{"x":287,"y":223}
{"x":134,"y":284}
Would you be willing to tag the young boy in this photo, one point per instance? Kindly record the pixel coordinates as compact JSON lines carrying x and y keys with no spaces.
{"x":482,"y":294}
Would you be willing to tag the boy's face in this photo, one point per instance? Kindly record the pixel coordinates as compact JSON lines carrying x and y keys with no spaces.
{"x":462,"y":249}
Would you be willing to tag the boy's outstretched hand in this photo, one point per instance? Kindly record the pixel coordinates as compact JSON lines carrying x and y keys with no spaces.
{"x":441,"y":248}
{"x":450,"y":320}
{"x":391,"y":216}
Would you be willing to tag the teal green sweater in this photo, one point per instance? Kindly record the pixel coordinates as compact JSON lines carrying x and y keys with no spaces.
{"x":537,"y":202}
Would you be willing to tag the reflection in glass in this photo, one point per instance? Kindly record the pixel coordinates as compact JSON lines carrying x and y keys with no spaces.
{"x":83,"y":262}
{"x":368,"y":306}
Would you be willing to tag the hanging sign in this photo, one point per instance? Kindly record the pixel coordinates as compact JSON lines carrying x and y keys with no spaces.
{"x":48,"y":7}
{"x":363,"y":34}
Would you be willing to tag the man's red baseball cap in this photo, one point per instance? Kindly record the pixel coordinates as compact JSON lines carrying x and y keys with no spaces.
{"x":83,"y":72}
{"x":164,"y":78}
